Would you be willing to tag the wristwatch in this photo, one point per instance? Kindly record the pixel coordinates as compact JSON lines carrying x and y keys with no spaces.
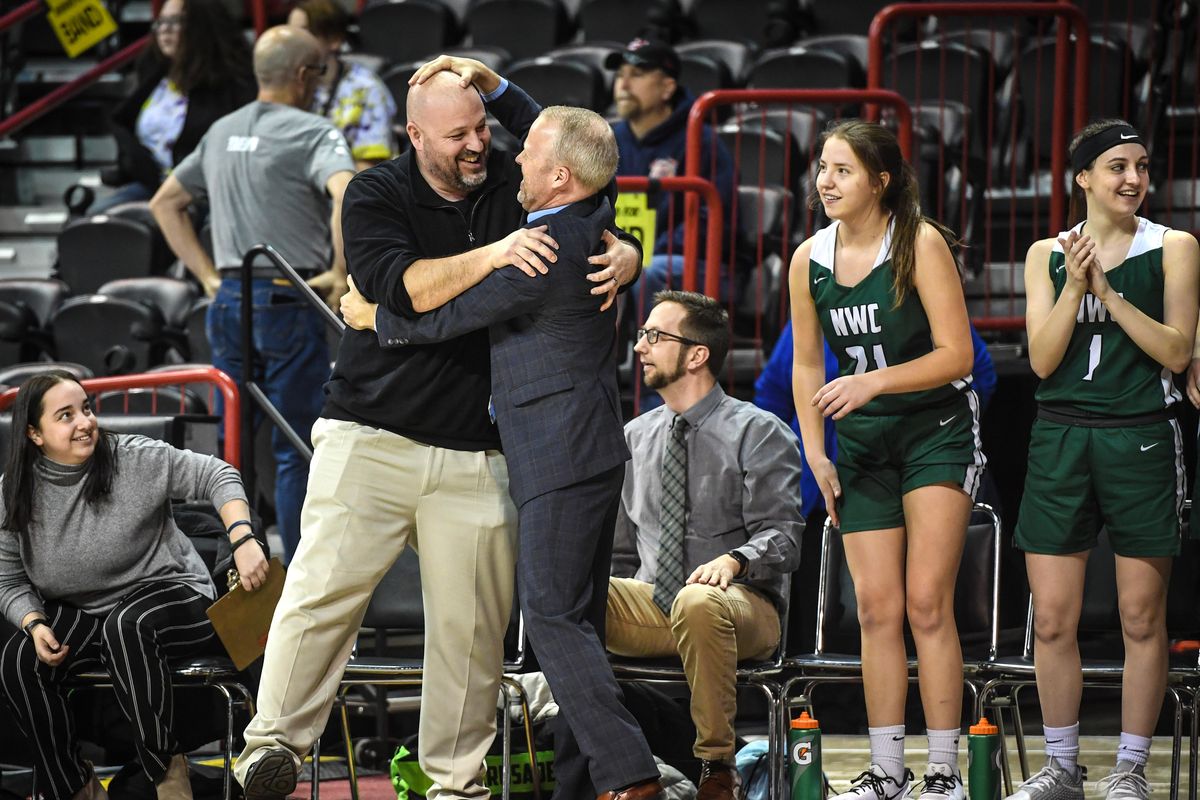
{"x":743,"y":562}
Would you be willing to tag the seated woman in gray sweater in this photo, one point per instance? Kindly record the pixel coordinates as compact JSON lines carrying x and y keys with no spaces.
{"x":96,"y":573}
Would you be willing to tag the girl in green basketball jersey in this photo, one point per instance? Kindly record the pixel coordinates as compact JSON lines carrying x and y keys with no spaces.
{"x":881,"y":285}
{"x":1111,"y":313}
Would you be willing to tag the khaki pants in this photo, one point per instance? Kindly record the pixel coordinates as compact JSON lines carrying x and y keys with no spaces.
{"x":370,"y":494}
{"x":711,"y":629}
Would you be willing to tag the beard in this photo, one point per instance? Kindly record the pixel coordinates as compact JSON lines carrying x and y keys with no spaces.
{"x":660,"y":379}
{"x":449,"y":173}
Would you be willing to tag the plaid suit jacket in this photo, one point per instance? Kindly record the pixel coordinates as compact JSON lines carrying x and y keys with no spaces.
{"x":553,"y":357}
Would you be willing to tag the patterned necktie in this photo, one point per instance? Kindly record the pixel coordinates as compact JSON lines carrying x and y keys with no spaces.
{"x":670,"y":577}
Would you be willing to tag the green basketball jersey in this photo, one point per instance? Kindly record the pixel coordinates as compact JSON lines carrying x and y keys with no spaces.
{"x":1103,"y":371}
{"x":866,"y":330}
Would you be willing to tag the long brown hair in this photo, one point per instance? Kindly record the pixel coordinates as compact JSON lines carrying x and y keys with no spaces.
{"x":878,"y":150}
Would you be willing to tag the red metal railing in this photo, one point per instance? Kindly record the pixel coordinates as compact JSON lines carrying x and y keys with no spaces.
{"x":989,"y":139}
{"x":751,"y":108}
{"x":46,"y":104}
{"x":210,"y":375}
{"x":693,"y":186}
{"x":1065,"y":11}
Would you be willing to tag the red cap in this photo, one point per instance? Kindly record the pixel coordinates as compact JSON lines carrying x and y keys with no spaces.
{"x":804,"y":721}
{"x":983,"y":728}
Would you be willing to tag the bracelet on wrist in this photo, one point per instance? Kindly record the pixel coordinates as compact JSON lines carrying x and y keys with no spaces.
{"x":234,"y":524}
{"x":742,"y":561}
{"x":242,"y":541}
{"x":33,"y":624}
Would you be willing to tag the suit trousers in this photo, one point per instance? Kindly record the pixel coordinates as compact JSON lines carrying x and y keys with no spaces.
{"x":371,"y":493}
{"x":710,"y":629}
{"x":133,"y":642}
{"x":566,"y":550}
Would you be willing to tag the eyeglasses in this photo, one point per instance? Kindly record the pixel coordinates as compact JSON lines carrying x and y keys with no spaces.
{"x":319,"y":69}
{"x":171,"y":23}
{"x":654,"y":334}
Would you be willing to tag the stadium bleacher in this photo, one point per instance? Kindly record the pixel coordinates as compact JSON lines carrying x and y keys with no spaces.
{"x":103,"y":292}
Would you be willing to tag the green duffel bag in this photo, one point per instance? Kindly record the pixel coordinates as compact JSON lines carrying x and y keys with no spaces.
{"x":411,"y":782}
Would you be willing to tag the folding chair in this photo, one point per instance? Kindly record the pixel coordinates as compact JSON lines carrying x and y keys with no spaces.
{"x":976,"y":612}
{"x":1100,"y":615}
{"x":396,"y":605}
{"x":760,"y":675}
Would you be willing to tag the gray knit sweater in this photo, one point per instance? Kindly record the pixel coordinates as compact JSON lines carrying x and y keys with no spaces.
{"x":91,"y":556}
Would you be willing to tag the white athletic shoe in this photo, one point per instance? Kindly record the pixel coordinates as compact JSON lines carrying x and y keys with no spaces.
{"x":875,"y":784}
{"x":1052,"y":782}
{"x":940,"y":783}
{"x":1126,"y":782}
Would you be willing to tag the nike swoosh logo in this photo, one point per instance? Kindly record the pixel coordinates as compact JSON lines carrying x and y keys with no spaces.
{"x":1127,"y":138}
{"x":945,"y":422}
{"x":897,"y":738}
{"x":1053,"y":741}
{"x":1060,"y":268}
{"x":1146,"y":447}
{"x":819,"y":279}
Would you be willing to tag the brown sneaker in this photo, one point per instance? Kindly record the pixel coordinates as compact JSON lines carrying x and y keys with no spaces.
{"x":92,"y":790}
{"x":175,"y":784}
{"x":718,"y":781}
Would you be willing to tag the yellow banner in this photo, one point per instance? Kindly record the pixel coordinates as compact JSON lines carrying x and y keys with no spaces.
{"x":635,"y":217}
{"x":80,"y":24}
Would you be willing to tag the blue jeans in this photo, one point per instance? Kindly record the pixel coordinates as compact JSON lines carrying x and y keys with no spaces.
{"x":291,"y":365}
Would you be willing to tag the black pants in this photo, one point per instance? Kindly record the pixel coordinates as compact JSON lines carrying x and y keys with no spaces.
{"x":133,"y":642}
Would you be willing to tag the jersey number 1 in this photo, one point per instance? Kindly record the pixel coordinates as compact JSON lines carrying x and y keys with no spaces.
{"x":859,"y":354}
{"x":1093,"y":356}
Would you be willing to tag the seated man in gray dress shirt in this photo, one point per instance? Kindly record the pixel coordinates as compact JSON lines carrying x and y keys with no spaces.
{"x":709,"y":525}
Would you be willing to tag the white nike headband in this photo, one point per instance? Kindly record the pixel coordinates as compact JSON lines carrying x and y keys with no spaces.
{"x":1097,"y":143}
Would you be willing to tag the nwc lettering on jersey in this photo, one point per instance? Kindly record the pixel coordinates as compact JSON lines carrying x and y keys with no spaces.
{"x":855,"y":319}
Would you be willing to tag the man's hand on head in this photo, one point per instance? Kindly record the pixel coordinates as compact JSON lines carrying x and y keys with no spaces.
{"x":527,"y":249}
{"x":356,"y":310}
{"x":619,"y":266}
{"x":468,"y":69}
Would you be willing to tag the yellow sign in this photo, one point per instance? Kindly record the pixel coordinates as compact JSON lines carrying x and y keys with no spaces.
{"x":637,"y":218}
{"x":80,"y":24}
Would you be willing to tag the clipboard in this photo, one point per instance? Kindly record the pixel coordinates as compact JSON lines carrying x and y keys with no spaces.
{"x":242,"y":619}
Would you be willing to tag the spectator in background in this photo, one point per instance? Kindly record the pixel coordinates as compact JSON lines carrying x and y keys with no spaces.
{"x":351,"y":96}
{"x":652,"y":141}
{"x":196,"y":70}
{"x":773,"y":392}
{"x":272,"y":173}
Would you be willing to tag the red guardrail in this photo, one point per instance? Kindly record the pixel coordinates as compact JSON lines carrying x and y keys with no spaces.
{"x":51,"y":101}
{"x":1061,"y":104}
{"x":691,"y":219}
{"x":211,"y":375}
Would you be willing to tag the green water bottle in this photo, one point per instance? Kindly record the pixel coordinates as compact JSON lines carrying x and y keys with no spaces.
{"x":804,"y":759}
{"x":983,"y":761}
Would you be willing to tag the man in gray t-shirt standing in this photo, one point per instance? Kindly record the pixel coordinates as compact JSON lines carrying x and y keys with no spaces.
{"x":272,"y":173}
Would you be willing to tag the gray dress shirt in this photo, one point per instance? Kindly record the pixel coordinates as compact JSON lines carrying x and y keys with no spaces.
{"x":743,"y":474}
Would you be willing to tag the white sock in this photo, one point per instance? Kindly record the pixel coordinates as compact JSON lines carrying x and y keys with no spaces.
{"x":943,"y":747}
{"x":887,"y":749}
{"x":1134,"y":749}
{"x":1062,"y":744}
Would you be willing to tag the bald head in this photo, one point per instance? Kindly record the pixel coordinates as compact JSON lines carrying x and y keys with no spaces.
{"x":448,"y":130}
{"x":441,"y":98}
{"x":280,"y":52}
